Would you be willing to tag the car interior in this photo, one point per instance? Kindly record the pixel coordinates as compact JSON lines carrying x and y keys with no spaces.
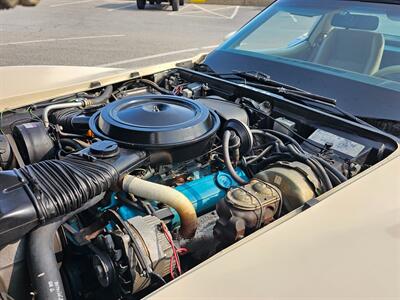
{"x":347,"y":41}
{"x":367,"y":46}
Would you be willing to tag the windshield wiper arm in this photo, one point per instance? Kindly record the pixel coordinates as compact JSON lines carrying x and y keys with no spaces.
{"x":283,"y":88}
{"x":264,"y":81}
{"x":262,"y":77}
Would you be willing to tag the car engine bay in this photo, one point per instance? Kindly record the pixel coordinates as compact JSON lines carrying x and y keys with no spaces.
{"x":113,"y":192}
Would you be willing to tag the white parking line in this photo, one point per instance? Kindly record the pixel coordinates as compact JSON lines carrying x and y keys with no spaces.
{"x":127,"y":61}
{"x":64,"y":39}
{"x":210,"y":11}
{"x":183,"y":8}
{"x":235,"y":12}
{"x":71,"y":3}
{"x":207,"y":12}
{"x":200,"y":11}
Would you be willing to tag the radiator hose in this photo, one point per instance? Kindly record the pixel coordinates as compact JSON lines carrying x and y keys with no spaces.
{"x":42,"y":263}
{"x":166,"y":195}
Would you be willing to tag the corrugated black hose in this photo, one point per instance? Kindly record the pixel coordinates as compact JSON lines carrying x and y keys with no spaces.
{"x":63,"y":186}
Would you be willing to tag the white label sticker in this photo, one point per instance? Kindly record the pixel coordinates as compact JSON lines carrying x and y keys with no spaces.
{"x":30,"y":125}
{"x":339,"y":143}
{"x":278,"y":180}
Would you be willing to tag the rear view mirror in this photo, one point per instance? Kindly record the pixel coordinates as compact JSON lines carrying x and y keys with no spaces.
{"x":355,"y":21}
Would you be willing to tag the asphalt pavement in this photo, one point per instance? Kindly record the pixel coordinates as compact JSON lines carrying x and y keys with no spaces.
{"x":113,"y":32}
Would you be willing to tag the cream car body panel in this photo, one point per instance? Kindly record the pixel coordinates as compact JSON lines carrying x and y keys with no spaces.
{"x":24,"y":85}
{"x":345,"y":247}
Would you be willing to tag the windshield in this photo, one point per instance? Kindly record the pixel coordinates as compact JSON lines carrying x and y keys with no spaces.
{"x":352,"y":39}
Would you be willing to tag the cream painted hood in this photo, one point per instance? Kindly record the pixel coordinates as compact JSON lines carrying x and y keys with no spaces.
{"x":24,"y":85}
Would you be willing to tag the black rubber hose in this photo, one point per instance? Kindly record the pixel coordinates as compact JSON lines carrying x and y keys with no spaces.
{"x":332,"y":169}
{"x":322,"y":173}
{"x":282,"y":135}
{"x":324,"y":163}
{"x":63,"y":186}
{"x":314,"y":165}
{"x":102,"y":99}
{"x":262,"y":153}
{"x":155,"y":86}
{"x":273,"y":158}
{"x":71,"y":143}
{"x":43,"y":267}
{"x":335,"y":181}
{"x":227,"y":159}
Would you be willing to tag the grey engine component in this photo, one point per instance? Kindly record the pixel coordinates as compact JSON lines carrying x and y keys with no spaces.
{"x":246,"y":209}
{"x":297,"y":182}
{"x":226,"y":110}
{"x":126,"y":270}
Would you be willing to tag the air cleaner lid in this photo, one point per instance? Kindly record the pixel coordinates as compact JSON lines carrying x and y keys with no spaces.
{"x":154,"y":121}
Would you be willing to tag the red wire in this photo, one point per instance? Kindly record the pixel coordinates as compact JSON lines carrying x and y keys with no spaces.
{"x":182,"y":251}
{"x":174,"y":251}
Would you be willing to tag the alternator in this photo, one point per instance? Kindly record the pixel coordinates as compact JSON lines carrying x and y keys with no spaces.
{"x":132,"y":260}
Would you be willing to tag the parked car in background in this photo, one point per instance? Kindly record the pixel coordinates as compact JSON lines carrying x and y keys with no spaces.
{"x":6,"y":4}
{"x":141,"y":4}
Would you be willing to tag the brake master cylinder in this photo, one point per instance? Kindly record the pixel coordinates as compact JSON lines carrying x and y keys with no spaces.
{"x":246,"y":209}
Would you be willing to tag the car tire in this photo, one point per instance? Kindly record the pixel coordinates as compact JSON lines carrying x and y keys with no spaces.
{"x":6,"y":4}
{"x":29,"y":2}
{"x":141,"y":4}
{"x":182,"y":2}
{"x":175,"y":5}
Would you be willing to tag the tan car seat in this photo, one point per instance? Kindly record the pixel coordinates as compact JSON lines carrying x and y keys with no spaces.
{"x":353,"y":50}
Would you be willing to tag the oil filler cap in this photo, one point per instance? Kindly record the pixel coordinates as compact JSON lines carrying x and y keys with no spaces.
{"x":104,"y":149}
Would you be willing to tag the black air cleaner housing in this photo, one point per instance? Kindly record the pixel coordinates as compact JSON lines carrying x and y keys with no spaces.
{"x":180,"y":128}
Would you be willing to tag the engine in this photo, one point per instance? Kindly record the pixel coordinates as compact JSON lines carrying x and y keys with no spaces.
{"x":114,"y":192}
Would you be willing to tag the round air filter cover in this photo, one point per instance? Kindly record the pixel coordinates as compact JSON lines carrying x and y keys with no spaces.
{"x":156,"y":122}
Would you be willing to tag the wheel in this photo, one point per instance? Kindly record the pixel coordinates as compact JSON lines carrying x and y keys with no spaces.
{"x":141,"y":4}
{"x":181,"y":2}
{"x":175,"y":5}
{"x":8,"y":3}
{"x":152,"y":2}
{"x":29,"y":2}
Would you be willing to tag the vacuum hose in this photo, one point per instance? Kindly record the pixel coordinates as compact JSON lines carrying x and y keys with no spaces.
{"x":228,"y":163}
{"x":167,"y":195}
